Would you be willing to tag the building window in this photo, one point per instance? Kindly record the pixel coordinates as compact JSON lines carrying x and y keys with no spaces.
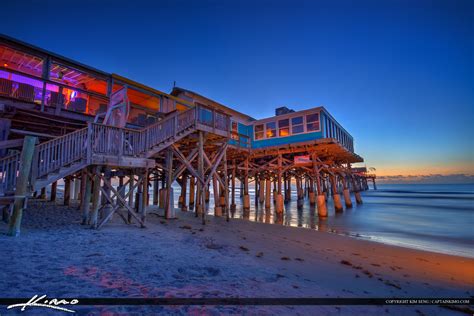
{"x":284,"y":127}
{"x":234,"y":130}
{"x":297,"y":126}
{"x":312,"y":122}
{"x":259,"y":131}
{"x":79,"y":79}
{"x":271,"y":130}
{"x":205,"y":116}
{"x":20,"y":61}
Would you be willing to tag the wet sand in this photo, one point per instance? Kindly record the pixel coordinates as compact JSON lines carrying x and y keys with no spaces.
{"x":181,"y":258}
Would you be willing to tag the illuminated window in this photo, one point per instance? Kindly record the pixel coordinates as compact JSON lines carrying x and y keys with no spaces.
{"x":284,"y":127}
{"x":234,"y":130}
{"x":20,"y":61}
{"x":297,"y":126}
{"x":312,"y":122}
{"x":77,"y":78}
{"x":259,"y":131}
{"x":271,"y":130}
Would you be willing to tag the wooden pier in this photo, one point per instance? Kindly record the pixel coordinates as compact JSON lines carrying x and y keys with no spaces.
{"x":184,"y":138}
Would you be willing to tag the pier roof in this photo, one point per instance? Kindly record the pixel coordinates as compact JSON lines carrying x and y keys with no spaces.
{"x":177,"y":91}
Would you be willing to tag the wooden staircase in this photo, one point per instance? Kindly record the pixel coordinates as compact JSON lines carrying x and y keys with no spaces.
{"x":100,"y":144}
{"x":57,"y":175}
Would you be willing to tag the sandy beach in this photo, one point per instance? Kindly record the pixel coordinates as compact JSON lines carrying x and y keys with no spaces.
{"x":57,"y":256}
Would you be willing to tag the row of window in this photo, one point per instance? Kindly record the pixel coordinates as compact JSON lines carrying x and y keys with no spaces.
{"x":334,"y":131}
{"x":34,"y":65}
{"x":23,"y":75}
{"x":286,"y":127}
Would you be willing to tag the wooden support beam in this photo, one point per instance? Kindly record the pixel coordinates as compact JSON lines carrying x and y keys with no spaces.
{"x":11,"y":143}
{"x":215,"y":165}
{"x":121,"y":201}
{"x":261,"y":189}
{"x":201,"y":176}
{"x":184,"y":189}
{"x":21,"y":190}
{"x":156,"y":183}
{"x":83,"y":187}
{"x":232,"y":204}
{"x":43,"y":194}
{"x":95,"y":198}
{"x":226,"y":187}
{"x":54,"y":188}
{"x":86,"y":198}
{"x":186,"y":162}
{"x":268,"y":189}
{"x":77,"y":188}
{"x":335,"y":194}
{"x":67,"y":191}
{"x":246,"y":185}
{"x":106,"y":206}
{"x":131,"y":189}
{"x":169,"y":203}
{"x":145,"y":199}
{"x":198,"y":208}
{"x":217,"y":207}
{"x":192,"y":182}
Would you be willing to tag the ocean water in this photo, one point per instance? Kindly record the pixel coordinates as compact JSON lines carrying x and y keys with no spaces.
{"x":434,"y":217}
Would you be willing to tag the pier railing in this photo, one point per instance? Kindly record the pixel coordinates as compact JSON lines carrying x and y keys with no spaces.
{"x":213,"y":118}
{"x":61,"y":151}
{"x":9,"y":170}
{"x":97,"y":139}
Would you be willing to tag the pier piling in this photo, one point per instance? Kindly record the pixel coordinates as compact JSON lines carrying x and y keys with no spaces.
{"x":335,"y":195}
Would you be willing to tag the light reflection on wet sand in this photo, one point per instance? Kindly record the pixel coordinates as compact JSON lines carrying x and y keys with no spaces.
{"x":430,"y":217}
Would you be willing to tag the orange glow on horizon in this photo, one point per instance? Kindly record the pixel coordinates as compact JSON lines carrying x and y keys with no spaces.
{"x":466,"y":167}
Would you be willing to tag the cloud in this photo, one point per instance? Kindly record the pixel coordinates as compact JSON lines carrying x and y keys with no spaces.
{"x":431,"y":178}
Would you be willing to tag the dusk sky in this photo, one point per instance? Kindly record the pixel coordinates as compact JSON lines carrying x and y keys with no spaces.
{"x":398,"y":75}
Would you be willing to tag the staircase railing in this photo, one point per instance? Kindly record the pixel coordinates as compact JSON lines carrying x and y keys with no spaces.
{"x":9,"y":170}
{"x":97,"y":139}
{"x":59,"y":152}
{"x":115,"y":141}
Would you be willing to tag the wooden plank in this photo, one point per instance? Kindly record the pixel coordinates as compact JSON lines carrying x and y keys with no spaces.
{"x":11,"y":143}
{"x":26,"y":158}
{"x":95,"y":197}
{"x":186,"y":161}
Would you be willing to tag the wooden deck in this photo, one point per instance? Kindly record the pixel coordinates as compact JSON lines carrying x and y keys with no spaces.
{"x":193,"y":146}
{"x":178,"y":137}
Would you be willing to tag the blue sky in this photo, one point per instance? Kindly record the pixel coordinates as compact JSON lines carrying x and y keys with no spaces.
{"x":398,"y":75}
